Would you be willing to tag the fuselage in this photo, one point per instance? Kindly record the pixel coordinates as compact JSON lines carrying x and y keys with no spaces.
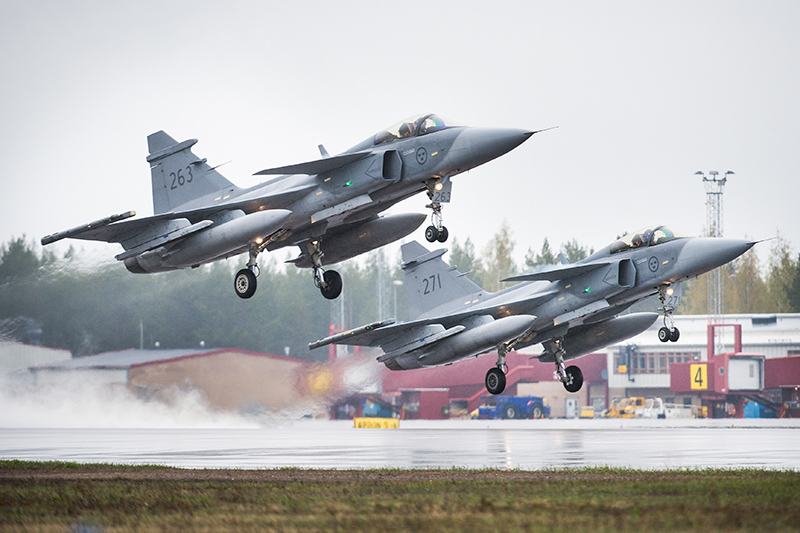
{"x":393,"y":165}
{"x":626,"y":275}
{"x":600,"y":286}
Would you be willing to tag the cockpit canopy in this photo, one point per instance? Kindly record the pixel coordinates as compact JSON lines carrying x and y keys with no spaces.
{"x":414,"y":127}
{"x":642,"y":238}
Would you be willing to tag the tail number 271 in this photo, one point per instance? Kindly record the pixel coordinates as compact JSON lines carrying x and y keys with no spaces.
{"x":432,"y":283}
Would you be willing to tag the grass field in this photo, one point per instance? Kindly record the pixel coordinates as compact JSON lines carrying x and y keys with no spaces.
{"x":68,"y":496}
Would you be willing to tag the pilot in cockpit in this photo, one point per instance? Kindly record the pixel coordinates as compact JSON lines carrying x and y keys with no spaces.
{"x":406,"y":130}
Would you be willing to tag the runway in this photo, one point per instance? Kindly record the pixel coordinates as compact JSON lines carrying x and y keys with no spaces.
{"x":526,"y":445}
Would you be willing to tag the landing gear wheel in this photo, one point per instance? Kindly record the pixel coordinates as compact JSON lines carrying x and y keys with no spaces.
{"x":245,"y":283}
{"x":664,"y":334}
{"x":443,"y":234}
{"x":574,"y":380}
{"x":510,"y":412}
{"x":674,"y":335}
{"x":495,"y":381}
{"x":333,"y":285}
{"x":431,"y":234}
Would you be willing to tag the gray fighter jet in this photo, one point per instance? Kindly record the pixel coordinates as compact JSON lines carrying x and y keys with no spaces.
{"x":571,"y":309}
{"x":329,"y":207}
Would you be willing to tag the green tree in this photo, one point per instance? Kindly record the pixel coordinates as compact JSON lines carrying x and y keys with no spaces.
{"x":694,"y":297}
{"x":463,"y":258}
{"x":745,"y":290}
{"x":499,"y":263}
{"x":794,"y":296}
{"x":781,"y":275}
{"x":18,"y":259}
{"x":574,"y":251}
{"x":545,"y":257}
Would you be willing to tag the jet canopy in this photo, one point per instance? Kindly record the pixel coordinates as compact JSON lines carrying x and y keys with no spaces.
{"x":414,"y":127}
{"x":645,"y":237}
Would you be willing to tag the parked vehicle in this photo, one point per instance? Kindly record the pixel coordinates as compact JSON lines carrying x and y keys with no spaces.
{"x":638,"y":407}
{"x":511,"y":407}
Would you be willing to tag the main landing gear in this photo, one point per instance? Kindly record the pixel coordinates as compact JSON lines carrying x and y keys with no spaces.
{"x":495,"y":380}
{"x":436,"y":231}
{"x":329,"y":282}
{"x":668,"y":332}
{"x":496,"y":377}
{"x":571,"y":376}
{"x":245,"y":280}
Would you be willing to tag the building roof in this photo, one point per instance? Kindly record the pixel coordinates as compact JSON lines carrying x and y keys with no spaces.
{"x":760,"y":332}
{"x":16,"y":356}
{"x":126,"y":359}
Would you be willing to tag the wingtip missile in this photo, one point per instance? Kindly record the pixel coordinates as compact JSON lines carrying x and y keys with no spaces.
{"x":49,"y":239}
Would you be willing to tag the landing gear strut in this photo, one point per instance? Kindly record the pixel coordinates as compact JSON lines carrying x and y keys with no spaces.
{"x":496,"y":377}
{"x":669,"y":332}
{"x":571,"y":377}
{"x":329,"y":282}
{"x":436,"y":231}
{"x":245,"y":280}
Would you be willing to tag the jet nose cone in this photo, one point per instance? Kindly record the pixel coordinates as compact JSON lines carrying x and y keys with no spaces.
{"x":476,"y":146}
{"x":706,"y":253}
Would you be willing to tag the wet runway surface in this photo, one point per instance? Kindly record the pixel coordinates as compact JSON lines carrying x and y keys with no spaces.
{"x":527,"y":445}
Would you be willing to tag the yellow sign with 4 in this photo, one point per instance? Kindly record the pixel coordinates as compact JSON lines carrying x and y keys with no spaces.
{"x":699,"y":376}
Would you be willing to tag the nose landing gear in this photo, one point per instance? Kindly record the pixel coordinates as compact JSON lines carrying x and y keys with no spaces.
{"x":668,"y":333}
{"x":437,"y":231}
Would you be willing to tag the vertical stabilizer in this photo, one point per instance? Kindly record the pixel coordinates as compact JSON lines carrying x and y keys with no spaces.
{"x":179,"y":176}
{"x":431,"y":283}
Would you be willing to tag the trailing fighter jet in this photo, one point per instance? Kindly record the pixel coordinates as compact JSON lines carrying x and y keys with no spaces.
{"x":571,"y":309}
{"x":329,"y":207}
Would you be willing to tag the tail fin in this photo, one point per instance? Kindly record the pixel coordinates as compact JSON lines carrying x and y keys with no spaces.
{"x":431,"y":283}
{"x":178,"y":175}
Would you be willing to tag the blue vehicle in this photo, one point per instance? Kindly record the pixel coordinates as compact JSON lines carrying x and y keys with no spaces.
{"x":511,"y":407}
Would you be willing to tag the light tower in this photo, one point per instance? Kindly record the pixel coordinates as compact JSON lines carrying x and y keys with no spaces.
{"x":714,"y":188}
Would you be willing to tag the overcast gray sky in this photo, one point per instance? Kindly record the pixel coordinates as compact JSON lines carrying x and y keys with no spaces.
{"x":644,"y":94}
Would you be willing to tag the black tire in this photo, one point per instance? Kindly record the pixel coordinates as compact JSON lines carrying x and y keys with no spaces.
{"x":431,"y":234}
{"x":443,"y":234}
{"x":333,"y":285}
{"x":510,"y":412}
{"x":574,"y":379}
{"x":244,"y":283}
{"x":495,"y":381}
{"x":674,"y":335}
{"x":663,"y":334}
{"x":537,"y":411}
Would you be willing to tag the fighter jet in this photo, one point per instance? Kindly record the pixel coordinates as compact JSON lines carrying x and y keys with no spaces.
{"x":571,"y":309}
{"x":330,"y":207}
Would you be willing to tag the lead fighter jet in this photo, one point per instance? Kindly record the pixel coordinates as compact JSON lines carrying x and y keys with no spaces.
{"x":572,"y":309}
{"x":330,"y":207}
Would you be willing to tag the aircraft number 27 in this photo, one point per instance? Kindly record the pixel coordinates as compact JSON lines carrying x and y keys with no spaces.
{"x":178,"y":179}
{"x":431,"y":283}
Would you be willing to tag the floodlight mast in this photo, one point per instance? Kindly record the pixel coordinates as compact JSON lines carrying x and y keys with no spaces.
{"x":714,"y":188}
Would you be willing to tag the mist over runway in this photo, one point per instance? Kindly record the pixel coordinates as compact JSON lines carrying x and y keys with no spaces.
{"x":522,"y":444}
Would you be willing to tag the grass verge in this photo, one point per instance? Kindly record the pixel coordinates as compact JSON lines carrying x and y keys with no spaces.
{"x":58,"y":496}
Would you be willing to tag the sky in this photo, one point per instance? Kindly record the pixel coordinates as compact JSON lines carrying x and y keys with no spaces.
{"x":643,"y":94}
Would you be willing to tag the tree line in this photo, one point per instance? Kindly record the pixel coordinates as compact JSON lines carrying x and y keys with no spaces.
{"x":89,"y":306}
